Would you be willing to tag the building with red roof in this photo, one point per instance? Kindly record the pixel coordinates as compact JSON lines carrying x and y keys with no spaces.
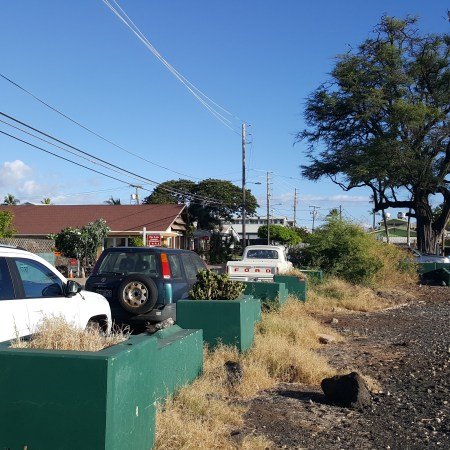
{"x":161,"y":224}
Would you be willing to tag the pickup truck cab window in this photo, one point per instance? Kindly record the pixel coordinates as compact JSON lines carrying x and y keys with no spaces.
{"x":262,"y":254}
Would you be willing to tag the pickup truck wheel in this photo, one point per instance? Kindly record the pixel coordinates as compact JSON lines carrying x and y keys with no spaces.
{"x":137,"y":294}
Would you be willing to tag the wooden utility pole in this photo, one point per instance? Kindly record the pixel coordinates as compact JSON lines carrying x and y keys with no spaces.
{"x":268,"y":207}
{"x":340,"y":212}
{"x":244,"y":236}
{"x":314,"y":214}
{"x":295,"y":207}
{"x":135,"y":196}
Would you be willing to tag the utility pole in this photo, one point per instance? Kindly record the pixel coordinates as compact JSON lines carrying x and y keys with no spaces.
{"x":268,"y":207}
{"x":135,"y":196}
{"x":314,"y":214}
{"x":244,"y":236}
{"x":295,"y":207}
{"x":340,"y":212}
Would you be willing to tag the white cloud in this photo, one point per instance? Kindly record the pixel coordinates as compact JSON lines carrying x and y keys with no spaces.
{"x":17,"y":178}
{"x":13,"y":172}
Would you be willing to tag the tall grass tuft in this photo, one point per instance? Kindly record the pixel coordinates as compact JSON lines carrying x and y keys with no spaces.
{"x":204,"y":414}
{"x":55,"y":333}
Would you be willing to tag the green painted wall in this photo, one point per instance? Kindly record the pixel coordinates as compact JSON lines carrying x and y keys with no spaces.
{"x":58,"y":400}
{"x":295,"y":287}
{"x":71,"y":400}
{"x":267,"y":292}
{"x":179,"y":359}
{"x":230,"y":322}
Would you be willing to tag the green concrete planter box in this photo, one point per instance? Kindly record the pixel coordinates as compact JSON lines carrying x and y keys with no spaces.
{"x":425,"y":268}
{"x":101,"y":400}
{"x":71,"y":400}
{"x":256,"y":306}
{"x":313,"y":275}
{"x":178,"y":360}
{"x":271,"y":293}
{"x":295,"y":287}
{"x":230,"y":322}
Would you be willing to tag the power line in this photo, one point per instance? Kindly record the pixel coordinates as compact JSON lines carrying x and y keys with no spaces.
{"x":63,"y":158}
{"x":193,"y":198}
{"x":212,"y":106}
{"x":114,"y":168}
{"x":92,"y":131}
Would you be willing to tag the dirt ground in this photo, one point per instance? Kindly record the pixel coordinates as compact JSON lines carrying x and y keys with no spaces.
{"x":405,"y":354}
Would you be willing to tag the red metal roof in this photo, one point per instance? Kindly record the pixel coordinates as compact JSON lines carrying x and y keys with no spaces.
{"x":50,"y":219}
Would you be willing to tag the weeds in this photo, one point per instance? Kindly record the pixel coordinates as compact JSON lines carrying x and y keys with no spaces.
{"x":203,"y":415}
{"x":55,"y":333}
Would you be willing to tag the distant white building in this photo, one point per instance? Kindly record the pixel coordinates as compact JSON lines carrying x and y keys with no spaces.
{"x":252,"y":225}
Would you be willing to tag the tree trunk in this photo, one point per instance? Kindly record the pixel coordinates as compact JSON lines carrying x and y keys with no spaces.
{"x":427,"y":236}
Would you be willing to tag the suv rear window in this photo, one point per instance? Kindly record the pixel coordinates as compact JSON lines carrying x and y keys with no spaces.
{"x":189,"y":266}
{"x":175,"y":266}
{"x":128,"y":262}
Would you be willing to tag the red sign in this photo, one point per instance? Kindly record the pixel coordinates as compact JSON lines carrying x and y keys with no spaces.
{"x":153,"y":240}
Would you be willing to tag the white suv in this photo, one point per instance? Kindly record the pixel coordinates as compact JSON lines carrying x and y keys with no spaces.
{"x":31,"y":289}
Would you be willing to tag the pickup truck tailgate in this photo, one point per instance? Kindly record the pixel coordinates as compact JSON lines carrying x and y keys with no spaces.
{"x":251,"y":271}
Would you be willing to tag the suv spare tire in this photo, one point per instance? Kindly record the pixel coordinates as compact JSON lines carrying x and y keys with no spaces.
{"x":137,"y":294}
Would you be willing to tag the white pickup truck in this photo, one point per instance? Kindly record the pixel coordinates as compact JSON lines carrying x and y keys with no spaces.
{"x":259,"y":263}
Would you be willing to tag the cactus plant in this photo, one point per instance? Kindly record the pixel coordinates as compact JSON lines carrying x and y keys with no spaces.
{"x":213,"y":286}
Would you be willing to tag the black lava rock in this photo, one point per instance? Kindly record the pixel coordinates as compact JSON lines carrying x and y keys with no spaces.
{"x":347,"y":390}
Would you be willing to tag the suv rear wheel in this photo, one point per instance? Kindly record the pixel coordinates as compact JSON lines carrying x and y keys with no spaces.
{"x":137,"y":294}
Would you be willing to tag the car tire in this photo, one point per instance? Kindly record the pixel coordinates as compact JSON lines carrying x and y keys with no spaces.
{"x":137,"y":294}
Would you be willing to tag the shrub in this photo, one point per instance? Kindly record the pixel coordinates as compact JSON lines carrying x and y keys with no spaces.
{"x":213,"y":286}
{"x":345,"y":250}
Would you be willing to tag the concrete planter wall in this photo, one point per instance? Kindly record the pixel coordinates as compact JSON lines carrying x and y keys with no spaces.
{"x":313,"y":275}
{"x":179,"y":359}
{"x":435,"y":272}
{"x":256,"y":306}
{"x":295,"y":287}
{"x":104,"y":400}
{"x":230,"y":322}
{"x":267,"y":292}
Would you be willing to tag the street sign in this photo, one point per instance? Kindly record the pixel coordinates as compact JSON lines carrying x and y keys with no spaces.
{"x":153,"y":240}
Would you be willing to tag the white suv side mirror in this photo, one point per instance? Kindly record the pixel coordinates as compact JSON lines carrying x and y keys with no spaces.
{"x":72,"y":288}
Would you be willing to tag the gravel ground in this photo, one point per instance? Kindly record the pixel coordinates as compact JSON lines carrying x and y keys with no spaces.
{"x":405,"y":353}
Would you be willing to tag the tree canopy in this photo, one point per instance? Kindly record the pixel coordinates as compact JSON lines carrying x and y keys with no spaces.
{"x":113,"y":201}
{"x":82,"y":243}
{"x":382,"y":122}
{"x":208,"y":201}
{"x":6,"y":224}
{"x":280,"y":234}
{"x":10,"y":200}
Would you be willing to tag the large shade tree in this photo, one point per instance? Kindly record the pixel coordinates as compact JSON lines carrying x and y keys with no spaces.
{"x":208,"y":201}
{"x":382,"y":122}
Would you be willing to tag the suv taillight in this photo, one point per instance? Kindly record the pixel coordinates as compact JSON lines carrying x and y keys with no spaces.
{"x":165,"y":266}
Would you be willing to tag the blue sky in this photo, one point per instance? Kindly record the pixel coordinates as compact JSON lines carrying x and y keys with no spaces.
{"x":259,"y":59}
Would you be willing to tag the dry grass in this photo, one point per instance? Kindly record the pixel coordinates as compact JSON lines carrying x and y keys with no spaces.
{"x":55,"y":333}
{"x":337,"y":294}
{"x":203,"y":415}
{"x":295,"y":273}
{"x":397,"y":269}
